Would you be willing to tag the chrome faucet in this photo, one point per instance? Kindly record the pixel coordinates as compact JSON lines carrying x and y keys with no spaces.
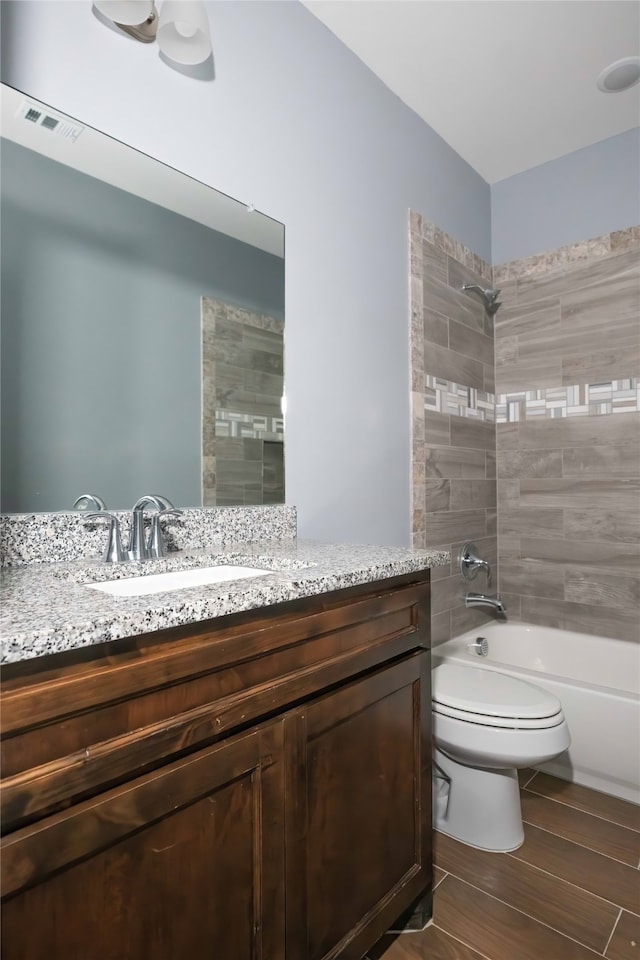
{"x":483,"y":600}
{"x":139,"y":548}
{"x":88,"y":501}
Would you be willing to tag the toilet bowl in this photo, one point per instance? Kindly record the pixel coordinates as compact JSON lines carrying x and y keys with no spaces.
{"x":486,"y":725}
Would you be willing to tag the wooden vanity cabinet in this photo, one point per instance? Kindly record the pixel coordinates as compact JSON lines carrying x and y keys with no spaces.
{"x":257,"y":786}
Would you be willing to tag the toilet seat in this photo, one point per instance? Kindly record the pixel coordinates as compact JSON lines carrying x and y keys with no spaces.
{"x":488,"y":698}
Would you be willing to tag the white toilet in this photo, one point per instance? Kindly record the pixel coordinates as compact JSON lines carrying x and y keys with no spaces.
{"x":485,"y":726}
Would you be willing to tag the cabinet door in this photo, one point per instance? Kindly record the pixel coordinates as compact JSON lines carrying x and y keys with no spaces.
{"x":185,"y":862}
{"x":359,"y":811}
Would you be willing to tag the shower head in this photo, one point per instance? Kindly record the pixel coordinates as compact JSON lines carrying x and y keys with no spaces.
{"x":489,"y":296}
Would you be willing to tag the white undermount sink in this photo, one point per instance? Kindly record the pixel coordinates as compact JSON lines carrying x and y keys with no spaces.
{"x":176,"y":580}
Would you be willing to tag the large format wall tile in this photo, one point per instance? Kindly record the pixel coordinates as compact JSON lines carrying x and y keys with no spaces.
{"x":569,"y":480}
{"x":450,"y":365}
{"x":599,"y":524}
{"x":591,"y":618}
{"x":472,"y":433}
{"x":470,"y":343}
{"x":591,"y":552}
{"x":528,"y":374}
{"x":560,"y":282}
{"x":623,"y":495}
{"x":615,"y":460}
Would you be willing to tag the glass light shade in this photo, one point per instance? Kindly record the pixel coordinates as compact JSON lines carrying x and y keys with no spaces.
{"x":130,"y":12}
{"x":183,"y":31}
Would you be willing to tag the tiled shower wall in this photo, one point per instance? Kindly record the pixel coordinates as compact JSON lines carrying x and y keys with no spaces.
{"x":567,"y":342}
{"x":242,"y":423}
{"x":453,"y":428}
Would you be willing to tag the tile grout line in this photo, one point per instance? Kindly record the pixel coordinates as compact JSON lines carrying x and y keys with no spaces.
{"x":566,"y":803}
{"x":570,"y":883}
{"x":534,"y":774}
{"x":612,"y":933}
{"x":528,"y":915}
{"x":437,"y":884}
{"x":584,"y":846}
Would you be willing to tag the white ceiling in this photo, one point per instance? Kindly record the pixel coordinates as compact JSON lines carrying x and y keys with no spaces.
{"x":509,"y":84}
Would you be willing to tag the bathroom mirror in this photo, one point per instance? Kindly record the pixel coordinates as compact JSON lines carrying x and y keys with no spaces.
{"x":113,"y":266}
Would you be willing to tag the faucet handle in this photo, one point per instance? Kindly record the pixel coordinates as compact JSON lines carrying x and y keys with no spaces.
{"x":113,"y":551}
{"x":471,"y":563}
{"x":156,"y":546}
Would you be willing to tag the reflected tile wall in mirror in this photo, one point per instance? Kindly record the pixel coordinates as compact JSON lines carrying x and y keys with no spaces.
{"x":242,"y":422}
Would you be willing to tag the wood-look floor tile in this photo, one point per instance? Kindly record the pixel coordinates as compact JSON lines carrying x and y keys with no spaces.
{"x":613,"y":881}
{"x":438,"y":875}
{"x":429,"y":944}
{"x":524,"y":775}
{"x":495,"y":929}
{"x":619,"y":811}
{"x":554,"y":902}
{"x":592,"y":832}
{"x":625,"y":942}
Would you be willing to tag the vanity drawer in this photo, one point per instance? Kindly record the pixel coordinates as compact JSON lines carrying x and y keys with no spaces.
{"x":75,"y":725}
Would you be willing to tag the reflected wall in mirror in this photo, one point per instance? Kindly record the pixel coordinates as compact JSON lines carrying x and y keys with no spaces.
{"x":242,"y":423}
{"x":107,"y":256}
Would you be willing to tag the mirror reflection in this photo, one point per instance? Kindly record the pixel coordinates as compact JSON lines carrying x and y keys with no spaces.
{"x":142,"y":326}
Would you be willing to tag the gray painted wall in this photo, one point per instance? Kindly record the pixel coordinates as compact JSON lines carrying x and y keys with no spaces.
{"x":587,"y":193}
{"x":295,"y":124}
{"x":101,"y":357}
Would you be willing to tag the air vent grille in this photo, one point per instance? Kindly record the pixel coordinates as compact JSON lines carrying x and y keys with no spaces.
{"x":55,"y":123}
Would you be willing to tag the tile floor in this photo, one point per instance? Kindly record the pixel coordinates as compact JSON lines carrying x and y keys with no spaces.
{"x":571,"y":892}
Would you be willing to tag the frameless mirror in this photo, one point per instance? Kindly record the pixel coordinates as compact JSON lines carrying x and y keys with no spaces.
{"x":142,"y":326}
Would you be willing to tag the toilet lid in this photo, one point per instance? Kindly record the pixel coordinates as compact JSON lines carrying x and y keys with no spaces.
{"x":490,"y":694}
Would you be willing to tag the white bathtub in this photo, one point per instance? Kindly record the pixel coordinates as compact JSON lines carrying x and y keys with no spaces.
{"x":596,"y":679}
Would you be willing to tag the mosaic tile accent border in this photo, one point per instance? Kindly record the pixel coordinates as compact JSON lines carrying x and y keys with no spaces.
{"x":581,"y":400}
{"x":568,"y":256}
{"x":249,"y":426}
{"x":444,"y":396}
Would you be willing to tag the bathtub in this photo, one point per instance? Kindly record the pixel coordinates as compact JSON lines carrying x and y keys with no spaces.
{"x":596,"y":679}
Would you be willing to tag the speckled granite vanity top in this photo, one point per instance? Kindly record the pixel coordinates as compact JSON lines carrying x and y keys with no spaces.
{"x":48,"y":607}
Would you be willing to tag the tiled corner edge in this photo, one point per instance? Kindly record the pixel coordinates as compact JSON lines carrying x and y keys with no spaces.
{"x":455,"y":249}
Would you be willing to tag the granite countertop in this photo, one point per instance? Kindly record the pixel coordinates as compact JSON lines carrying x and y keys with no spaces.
{"x":48,"y":607}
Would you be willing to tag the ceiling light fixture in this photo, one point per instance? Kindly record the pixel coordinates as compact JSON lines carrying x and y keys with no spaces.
{"x":181,"y":29}
{"x":620,"y":75}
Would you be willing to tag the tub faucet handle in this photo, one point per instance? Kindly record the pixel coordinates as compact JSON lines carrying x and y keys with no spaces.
{"x":471,"y":563}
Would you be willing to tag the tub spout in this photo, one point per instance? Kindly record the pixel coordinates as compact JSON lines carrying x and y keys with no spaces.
{"x":483,"y":600}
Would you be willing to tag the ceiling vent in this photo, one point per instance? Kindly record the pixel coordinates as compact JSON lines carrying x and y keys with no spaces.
{"x":55,"y":123}
{"x":620,"y":75}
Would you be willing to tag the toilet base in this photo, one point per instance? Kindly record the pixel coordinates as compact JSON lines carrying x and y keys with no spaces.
{"x":482,"y":808}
